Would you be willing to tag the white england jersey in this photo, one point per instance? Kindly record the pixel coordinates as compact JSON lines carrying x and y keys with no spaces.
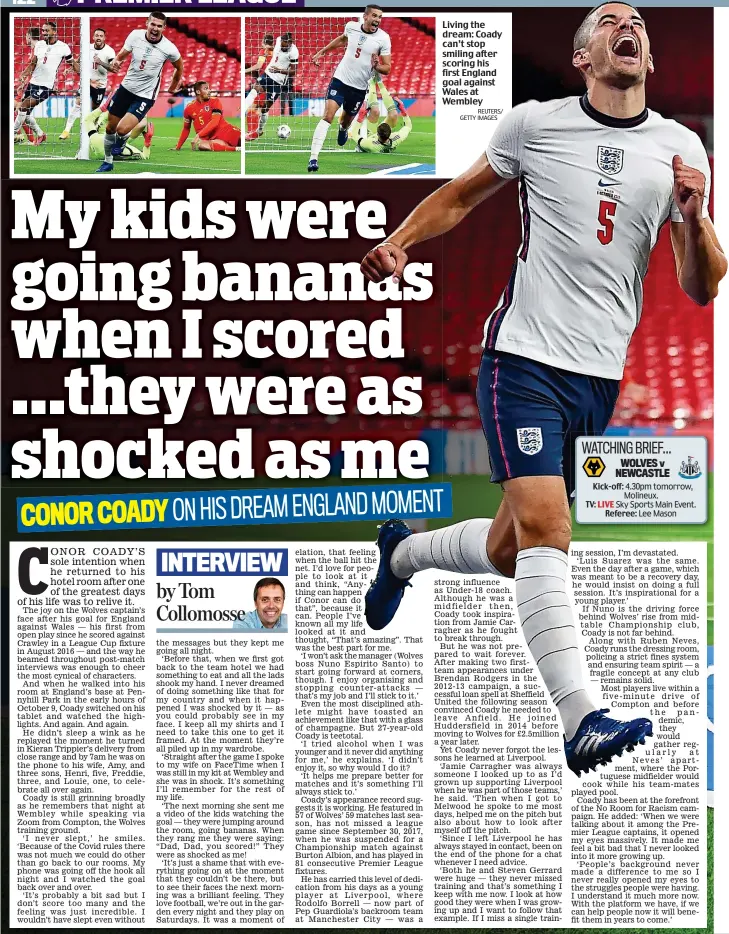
{"x":49,"y":57}
{"x":147,"y":61}
{"x":104,"y":55}
{"x":594,"y":192}
{"x":281,"y":59}
{"x":355,"y":67}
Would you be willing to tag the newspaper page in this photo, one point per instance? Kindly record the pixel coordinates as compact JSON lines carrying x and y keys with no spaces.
{"x":360,"y":538}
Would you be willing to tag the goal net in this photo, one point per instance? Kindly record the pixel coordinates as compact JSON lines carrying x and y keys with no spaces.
{"x":49,"y":107}
{"x":301,"y":103}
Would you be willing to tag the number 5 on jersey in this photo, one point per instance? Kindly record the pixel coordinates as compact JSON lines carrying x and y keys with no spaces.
{"x":605,"y":215}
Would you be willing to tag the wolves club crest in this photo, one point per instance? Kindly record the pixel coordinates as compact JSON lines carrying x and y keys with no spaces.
{"x":529,"y":440}
{"x":609,"y":160}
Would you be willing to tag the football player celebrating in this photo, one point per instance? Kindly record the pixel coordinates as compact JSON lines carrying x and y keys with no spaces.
{"x":368,"y":49}
{"x":101,"y":57}
{"x":279,"y":72}
{"x":48,"y":55}
{"x":555,"y":345}
{"x":205,"y":115}
{"x":133,"y":99}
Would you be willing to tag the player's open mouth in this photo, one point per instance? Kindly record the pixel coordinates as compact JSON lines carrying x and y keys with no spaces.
{"x":626,"y":47}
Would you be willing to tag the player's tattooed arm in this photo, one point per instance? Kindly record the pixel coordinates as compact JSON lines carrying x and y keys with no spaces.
{"x":27,"y":70}
{"x":334,"y":44}
{"x":116,"y":63}
{"x":176,"y":77}
{"x":438,"y":214}
{"x":382,"y":64}
{"x":700,"y":260}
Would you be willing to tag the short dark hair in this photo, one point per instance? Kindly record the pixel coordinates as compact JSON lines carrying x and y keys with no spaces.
{"x":54,"y":26}
{"x":156,"y":15}
{"x":268,"y":582}
{"x":373,"y":6}
{"x":384,"y":131}
{"x":100,"y":29}
{"x":288,"y":36}
{"x":586,"y":26}
{"x":268,"y":39}
{"x":198,"y":84}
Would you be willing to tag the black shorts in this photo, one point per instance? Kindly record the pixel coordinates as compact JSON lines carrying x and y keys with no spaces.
{"x":272,"y":89}
{"x":532,"y":413}
{"x":97,"y":96}
{"x":349,"y":99}
{"x":37,"y":93}
{"x":124,"y":102}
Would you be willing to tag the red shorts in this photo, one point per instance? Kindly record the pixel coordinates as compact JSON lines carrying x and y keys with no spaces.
{"x":228,"y":133}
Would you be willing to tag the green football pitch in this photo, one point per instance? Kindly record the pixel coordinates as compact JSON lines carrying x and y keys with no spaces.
{"x":271,"y":156}
{"x":57,"y":157}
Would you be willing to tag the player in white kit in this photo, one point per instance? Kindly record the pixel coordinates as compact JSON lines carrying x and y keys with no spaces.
{"x":133,"y":99}
{"x":368,"y":50}
{"x":275,"y":79}
{"x":598,"y":176}
{"x":101,"y":56}
{"x":48,"y":55}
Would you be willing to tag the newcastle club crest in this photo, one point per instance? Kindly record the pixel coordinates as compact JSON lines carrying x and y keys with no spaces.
{"x":609,"y":160}
{"x":529,"y":440}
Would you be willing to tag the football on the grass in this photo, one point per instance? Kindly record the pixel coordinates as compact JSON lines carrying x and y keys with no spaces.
{"x":284,"y":131}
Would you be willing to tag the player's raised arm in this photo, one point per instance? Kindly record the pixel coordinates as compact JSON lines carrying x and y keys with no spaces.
{"x":700,"y":260}
{"x":337,"y":43}
{"x":439,"y":213}
{"x":176,"y":77}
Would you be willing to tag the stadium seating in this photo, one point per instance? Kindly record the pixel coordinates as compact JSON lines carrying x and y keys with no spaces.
{"x":202,"y":53}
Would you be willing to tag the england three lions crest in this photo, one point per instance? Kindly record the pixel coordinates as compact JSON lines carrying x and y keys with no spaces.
{"x":609,"y":160}
{"x":529,"y":440}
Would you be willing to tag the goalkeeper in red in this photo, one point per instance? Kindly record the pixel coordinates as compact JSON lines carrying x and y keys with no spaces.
{"x":204,"y":115}
{"x":598,"y":175}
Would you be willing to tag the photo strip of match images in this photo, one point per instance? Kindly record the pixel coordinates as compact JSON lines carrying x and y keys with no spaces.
{"x":132,"y":95}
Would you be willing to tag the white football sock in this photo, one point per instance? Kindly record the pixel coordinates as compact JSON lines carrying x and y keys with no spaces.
{"x":460,"y":547}
{"x":550,"y":632}
{"x":73,"y":116}
{"x":20,"y":119}
{"x":250,"y":98}
{"x":109,"y":143}
{"x":34,"y":125}
{"x":317,"y":140}
{"x":262,"y":123}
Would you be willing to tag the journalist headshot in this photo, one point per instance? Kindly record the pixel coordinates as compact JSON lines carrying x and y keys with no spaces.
{"x":268,"y":596}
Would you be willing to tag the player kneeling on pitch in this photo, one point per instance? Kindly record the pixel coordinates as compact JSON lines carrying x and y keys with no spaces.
{"x":205,"y":115}
{"x":598,"y":176}
{"x":383,"y":140}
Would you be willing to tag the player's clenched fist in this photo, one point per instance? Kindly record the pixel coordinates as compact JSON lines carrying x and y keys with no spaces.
{"x":387,"y":259}
{"x":688,"y":189}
